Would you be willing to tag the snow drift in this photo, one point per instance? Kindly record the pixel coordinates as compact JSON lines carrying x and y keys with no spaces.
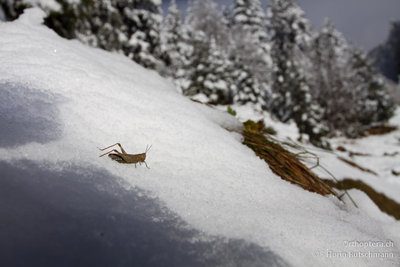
{"x":199,"y":170}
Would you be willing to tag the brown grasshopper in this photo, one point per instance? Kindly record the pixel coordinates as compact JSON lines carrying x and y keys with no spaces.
{"x":125,"y":157}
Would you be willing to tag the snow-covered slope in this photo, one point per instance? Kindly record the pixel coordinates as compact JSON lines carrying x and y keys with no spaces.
{"x":199,"y":170}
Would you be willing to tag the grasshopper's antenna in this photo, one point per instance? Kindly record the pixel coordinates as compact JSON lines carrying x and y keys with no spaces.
{"x":148,"y":148}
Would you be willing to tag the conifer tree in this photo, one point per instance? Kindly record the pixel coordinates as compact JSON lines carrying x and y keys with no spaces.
{"x":291,"y":97}
{"x":129,"y":26}
{"x":173,"y":42}
{"x":250,"y":51}
{"x":248,"y":70}
{"x":250,"y":16}
{"x":372,"y":101}
{"x":207,"y":37}
{"x":386,"y":56}
{"x":10,"y":9}
{"x":95,"y":23}
{"x":218,"y":77}
{"x":345,"y":84}
{"x":329,"y":66}
{"x":141,"y":27}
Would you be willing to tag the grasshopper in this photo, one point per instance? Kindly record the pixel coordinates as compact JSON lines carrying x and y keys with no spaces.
{"x":123,"y":157}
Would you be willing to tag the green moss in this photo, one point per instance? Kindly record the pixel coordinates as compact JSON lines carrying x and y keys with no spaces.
{"x":231,"y":111}
{"x":258,"y":127}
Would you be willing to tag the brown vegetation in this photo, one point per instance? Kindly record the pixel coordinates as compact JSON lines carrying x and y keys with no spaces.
{"x":384,"y":203}
{"x":381,"y":129}
{"x":281,"y":161}
{"x":355,"y":165}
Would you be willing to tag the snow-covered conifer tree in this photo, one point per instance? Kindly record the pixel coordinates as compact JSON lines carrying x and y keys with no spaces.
{"x":250,"y":51}
{"x":326,"y":75}
{"x":96,"y":23}
{"x":173,"y":42}
{"x":249,"y":69}
{"x":345,"y":84}
{"x":372,"y":101}
{"x":141,"y":27}
{"x":11,"y":9}
{"x":132,"y":27}
{"x":208,"y":67}
{"x":218,"y":74}
{"x":386,"y":56}
{"x":291,"y":98}
{"x":204,"y":16}
{"x":250,"y":16}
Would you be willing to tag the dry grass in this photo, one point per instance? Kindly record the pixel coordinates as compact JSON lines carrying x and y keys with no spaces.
{"x":395,"y":173}
{"x":381,"y":129}
{"x":352,"y":153}
{"x":384,"y":203}
{"x":282,"y":162}
{"x":355,"y":165}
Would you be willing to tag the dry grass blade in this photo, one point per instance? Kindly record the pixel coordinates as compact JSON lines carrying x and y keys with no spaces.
{"x":285,"y":163}
{"x":355,"y":165}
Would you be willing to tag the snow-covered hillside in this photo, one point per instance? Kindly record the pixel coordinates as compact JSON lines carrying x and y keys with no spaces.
{"x":61,"y":100}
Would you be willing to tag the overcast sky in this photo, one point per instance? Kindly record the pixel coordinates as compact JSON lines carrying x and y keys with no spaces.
{"x":363,"y":22}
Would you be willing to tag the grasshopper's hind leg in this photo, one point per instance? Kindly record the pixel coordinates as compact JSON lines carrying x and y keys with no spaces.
{"x":114,"y":150}
{"x":116,"y":144}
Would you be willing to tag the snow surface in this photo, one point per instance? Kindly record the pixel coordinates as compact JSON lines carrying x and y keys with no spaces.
{"x":45,"y":4}
{"x":383,"y":156}
{"x":199,"y":170}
